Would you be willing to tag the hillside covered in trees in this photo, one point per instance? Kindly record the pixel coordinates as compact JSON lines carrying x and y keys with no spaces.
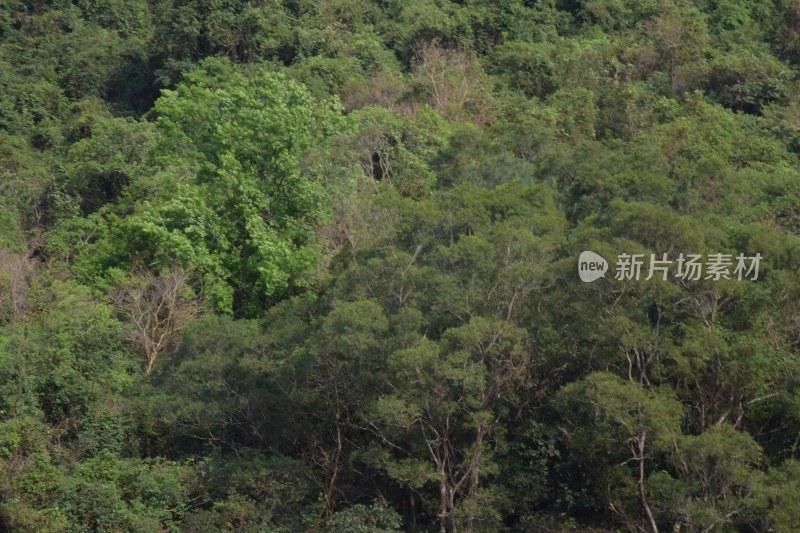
{"x":284,"y":266}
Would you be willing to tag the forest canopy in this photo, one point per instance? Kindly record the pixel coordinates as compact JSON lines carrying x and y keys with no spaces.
{"x":312,"y":266}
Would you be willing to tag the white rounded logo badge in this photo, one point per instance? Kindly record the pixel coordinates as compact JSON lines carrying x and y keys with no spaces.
{"x":591,"y":266}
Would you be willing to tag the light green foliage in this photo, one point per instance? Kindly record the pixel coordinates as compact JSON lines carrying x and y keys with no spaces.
{"x":221,"y":196}
{"x":246,"y":133}
{"x":74,"y":355}
{"x":376,"y":518}
{"x":107,"y":494}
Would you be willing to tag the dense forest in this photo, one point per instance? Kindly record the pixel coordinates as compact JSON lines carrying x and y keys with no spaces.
{"x":283,"y":266}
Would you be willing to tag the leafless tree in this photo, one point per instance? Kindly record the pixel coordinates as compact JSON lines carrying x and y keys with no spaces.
{"x":454,"y":82}
{"x":156,"y":307}
{"x":16,"y":270}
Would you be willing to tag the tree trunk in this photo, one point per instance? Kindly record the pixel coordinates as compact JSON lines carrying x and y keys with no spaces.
{"x":443,"y":505}
{"x":474,"y":477}
{"x":412,"y":504}
{"x":642,"y":496}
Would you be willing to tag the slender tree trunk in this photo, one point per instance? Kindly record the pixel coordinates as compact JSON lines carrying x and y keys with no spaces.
{"x":443,"y":505}
{"x":642,"y":496}
{"x":151,"y":360}
{"x":330,"y":502}
{"x":412,"y":504}
{"x":474,"y":477}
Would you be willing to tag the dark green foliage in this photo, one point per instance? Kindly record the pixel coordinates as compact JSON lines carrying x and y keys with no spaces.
{"x":345,"y":235}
